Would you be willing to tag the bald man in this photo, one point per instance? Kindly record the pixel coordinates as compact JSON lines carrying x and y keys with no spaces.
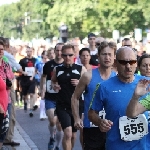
{"x":114,"y":95}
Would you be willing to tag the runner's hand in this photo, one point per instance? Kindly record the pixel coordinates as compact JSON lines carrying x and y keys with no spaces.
{"x":105,"y":125}
{"x":74,"y":82}
{"x":142,"y":88}
{"x":78,"y":123}
{"x":56,"y":87}
{"x":25,"y":73}
{"x":31,"y":78}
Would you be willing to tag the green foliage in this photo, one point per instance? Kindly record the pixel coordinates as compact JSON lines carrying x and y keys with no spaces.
{"x":81,"y":16}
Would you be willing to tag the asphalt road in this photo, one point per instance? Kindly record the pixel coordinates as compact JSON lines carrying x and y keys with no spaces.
{"x":38,"y":130}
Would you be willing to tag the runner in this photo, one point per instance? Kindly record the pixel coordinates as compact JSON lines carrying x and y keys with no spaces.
{"x":39,"y":71}
{"x":114,"y":95}
{"x":28,"y":82}
{"x":92,"y":137}
{"x":93,"y":49}
{"x":51,"y":97}
{"x":64,"y":80}
{"x":135,"y":106}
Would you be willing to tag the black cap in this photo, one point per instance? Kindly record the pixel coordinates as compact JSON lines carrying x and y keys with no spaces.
{"x":91,"y":35}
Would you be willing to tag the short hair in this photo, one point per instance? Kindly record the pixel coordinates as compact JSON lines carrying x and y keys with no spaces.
{"x":50,"y":49}
{"x":83,"y":50}
{"x":57,"y":45}
{"x":2,"y":43}
{"x":126,"y":39}
{"x":105,"y":44}
{"x":91,"y":35}
{"x":7,"y":42}
{"x":141,"y":59}
{"x":67,"y":46}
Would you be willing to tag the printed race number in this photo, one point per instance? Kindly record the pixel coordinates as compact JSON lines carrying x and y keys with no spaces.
{"x":49,"y":87}
{"x":30,"y":71}
{"x":102,"y":115}
{"x":133,"y":129}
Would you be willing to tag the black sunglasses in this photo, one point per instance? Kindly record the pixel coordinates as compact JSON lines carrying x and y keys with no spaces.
{"x":124,"y":62}
{"x":128,"y":45}
{"x":65,"y":55}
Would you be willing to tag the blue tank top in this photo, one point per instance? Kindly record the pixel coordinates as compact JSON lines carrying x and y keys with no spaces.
{"x":96,"y":78}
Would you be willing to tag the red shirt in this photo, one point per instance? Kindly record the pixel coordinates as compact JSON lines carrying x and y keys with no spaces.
{"x":3,"y":95}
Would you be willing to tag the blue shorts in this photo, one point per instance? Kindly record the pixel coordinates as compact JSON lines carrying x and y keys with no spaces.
{"x":49,"y":104}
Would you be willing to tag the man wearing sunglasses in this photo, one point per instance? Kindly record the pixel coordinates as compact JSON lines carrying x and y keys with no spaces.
{"x":127,"y":42}
{"x":64,"y":80}
{"x":114,"y":95}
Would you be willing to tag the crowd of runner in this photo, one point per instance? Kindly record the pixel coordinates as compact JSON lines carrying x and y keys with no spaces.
{"x":100,"y":88}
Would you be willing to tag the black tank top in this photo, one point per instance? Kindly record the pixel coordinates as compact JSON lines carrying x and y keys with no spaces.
{"x":64,"y":76}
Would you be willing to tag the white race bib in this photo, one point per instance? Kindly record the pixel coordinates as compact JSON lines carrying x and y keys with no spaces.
{"x":30,"y":71}
{"x":133,"y":129}
{"x":49,"y":87}
{"x":102,"y":115}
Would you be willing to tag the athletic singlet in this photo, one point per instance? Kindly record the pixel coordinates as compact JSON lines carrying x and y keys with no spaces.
{"x":64,"y":76}
{"x":114,"y":96}
{"x":96,"y":78}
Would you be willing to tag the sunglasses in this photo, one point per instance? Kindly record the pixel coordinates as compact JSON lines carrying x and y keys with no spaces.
{"x":65,"y":55}
{"x":124,"y":62}
{"x":128,"y":45}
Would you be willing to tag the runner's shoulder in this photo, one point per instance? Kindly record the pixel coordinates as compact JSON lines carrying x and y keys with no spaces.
{"x":87,"y":76}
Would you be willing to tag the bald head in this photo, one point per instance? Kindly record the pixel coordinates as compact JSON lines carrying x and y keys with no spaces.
{"x":125,"y":53}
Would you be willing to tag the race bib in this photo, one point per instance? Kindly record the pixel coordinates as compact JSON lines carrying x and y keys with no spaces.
{"x":133,"y":129}
{"x":49,"y":87}
{"x":30,"y":71}
{"x":102,"y":115}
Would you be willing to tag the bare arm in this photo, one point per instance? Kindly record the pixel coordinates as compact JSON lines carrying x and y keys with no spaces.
{"x":83,"y":82}
{"x":94,"y":117}
{"x":42,"y":82}
{"x":135,"y":107}
{"x":55,"y":85}
{"x":103,"y":124}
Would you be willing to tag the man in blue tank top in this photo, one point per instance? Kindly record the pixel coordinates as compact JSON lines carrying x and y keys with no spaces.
{"x":122,"y":133}
{"x":92,"y":137}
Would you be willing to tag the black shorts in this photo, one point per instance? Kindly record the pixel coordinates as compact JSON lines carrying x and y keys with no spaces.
{"x":65,"y":118}
{"x":28,"y":88}
{"x":93,"y":139}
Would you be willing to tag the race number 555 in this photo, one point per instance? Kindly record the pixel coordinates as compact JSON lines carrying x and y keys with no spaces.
{"x":133,"y":128}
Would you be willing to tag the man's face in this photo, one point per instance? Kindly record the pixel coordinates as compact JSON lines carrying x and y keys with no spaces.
{"x":85,"y":57}
{"x":76,"y":47}
{"x":106,"y":57}
{"x":127,"y":43}
{"x":91,"y":41}
{"x":29,"y":52}
{"x":68,"y":56}
{"x":51,"y":55}
{"x":145,"y":67}
{"x":1,"y":51}
{"x":58,"y":51}
{"x":126,"y":63}
{"x":44,"y":58}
